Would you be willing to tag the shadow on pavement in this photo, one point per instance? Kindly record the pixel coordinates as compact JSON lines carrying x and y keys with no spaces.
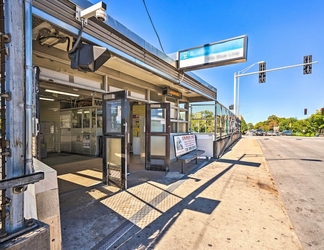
{"x":136,"y":237}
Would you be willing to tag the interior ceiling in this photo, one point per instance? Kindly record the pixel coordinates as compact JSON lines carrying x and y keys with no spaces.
{"x":50,"y":37}
{"x":82,"y":94}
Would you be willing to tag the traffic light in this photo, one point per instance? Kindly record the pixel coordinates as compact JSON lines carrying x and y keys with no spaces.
{"x":88,"y":58}
{"x":305,"y":111}
{"x":307,"y":69}
{"x":262,"y":75}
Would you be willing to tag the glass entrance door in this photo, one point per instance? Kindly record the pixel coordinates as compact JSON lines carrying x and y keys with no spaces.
{"x":157,"y":137}
{"x":115,"y":138}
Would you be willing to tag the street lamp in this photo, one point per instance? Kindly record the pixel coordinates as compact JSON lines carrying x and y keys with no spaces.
{"x":237,"y":76}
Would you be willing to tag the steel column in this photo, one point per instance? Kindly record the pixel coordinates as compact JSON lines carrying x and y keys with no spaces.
{"x":15,"y":110}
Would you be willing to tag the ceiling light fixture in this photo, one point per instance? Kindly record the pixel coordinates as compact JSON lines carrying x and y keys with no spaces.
{"x":46,"y":99}
{"x":60,"y":92}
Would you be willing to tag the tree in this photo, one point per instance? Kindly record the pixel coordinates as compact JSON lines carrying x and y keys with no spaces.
{"x":273,"y":121}
{"x":287,"y":124}
{"x":262,"y":125}
{"x":203,"y":122}
{"x":306,"y":127}
{"x":250,"y":126}
{"x":302,"y":127}
{"x":244,"y":126}
{"x":316,"y":122}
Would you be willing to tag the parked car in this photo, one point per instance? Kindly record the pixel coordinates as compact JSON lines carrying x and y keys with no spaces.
{"x":287,"y":133}
{"x":259,"y":132}
{"x":269,"y":133}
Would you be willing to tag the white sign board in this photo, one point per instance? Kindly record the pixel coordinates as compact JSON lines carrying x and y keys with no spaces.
{"x":184,"y":144}
{"x":214,"y":54}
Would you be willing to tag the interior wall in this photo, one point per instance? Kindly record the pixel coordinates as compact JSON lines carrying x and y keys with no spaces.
{"x":49,"y":114}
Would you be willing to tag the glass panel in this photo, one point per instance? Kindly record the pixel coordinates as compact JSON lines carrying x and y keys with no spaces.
{"x":114,"y":154}
{"x":182,"y":115}
{"x":114,"y":116}
{"x":182,"y":105}
{"x":158,"y":125}
{"x":173,"y":127}
{"x":158,"y":120}
{"x":226,"y":122}
{"x":93,"y":119}
{"x":86,"y":118}
{"x":99,"y":118}
{"x":173,"y":113}
{"x":157,"y":113}
{"x":202,"y":118}
{"x":158,"y":145}
{"x":183,"y":127}
{"x":76,"y":118}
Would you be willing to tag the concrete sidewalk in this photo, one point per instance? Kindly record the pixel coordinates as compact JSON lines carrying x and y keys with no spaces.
{"x":231,"y":203}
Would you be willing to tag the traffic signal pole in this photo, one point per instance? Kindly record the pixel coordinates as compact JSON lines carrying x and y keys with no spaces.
{"x":274,"y":69}
{"x":242,"y":73}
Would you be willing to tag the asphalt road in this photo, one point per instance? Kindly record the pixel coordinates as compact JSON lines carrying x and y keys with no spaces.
{"x":297,"y":167}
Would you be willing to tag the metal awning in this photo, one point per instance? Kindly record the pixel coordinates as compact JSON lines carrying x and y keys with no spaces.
{"x":133,"y":60}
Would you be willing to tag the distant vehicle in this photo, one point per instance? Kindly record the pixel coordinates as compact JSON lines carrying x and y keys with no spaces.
{"x":259,"y":132}
{"x":276,"y":133}
{"x":269,"y":133}
{"x":287,"y":133}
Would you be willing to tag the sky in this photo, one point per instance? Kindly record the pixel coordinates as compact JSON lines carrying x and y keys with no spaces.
{"x":280,"y":33}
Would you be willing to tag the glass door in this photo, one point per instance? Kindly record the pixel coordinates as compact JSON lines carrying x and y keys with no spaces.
{"x":115,"y":116}
{"x":157,"y":137}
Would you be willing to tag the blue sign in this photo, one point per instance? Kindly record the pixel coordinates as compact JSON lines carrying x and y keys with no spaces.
{"x":215,"y":54}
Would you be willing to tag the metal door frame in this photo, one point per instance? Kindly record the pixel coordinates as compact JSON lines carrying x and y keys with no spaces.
{"x":149,"y":165}
{"x":107,"y":169}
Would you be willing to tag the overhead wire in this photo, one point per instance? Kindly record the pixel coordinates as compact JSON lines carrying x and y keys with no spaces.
{"x":153,"y":25}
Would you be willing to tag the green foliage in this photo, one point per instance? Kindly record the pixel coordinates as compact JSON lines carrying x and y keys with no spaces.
{"x":250,"y":126}
{"x":305,"y":127}
{"x":244,"y":126}
{"x":203,"y":122}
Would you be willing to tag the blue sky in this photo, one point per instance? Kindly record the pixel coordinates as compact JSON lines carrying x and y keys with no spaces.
{"x":280,"y":33}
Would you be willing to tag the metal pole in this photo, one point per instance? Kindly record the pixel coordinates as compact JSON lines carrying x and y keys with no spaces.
{"x":15,"y":111}
{"x":234,"y":93}
{"x":238,"y":96}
